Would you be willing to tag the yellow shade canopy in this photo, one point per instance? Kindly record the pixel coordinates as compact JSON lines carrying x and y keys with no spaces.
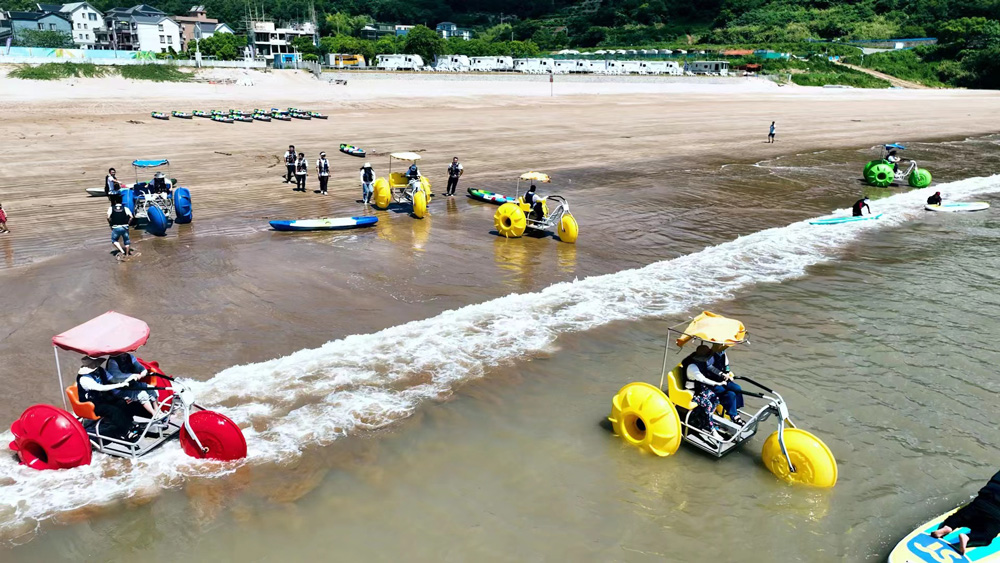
{"x":715,"y":329}
{"x":405,"y":156}
{"x":536,"y":177}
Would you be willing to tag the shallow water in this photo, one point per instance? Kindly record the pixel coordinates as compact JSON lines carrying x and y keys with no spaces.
{"x":474,"y":433}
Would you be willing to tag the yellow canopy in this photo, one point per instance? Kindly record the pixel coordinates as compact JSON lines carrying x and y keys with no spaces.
{"x":405,"y":156}
{"x":535,"y":177}
{"x":715,"y":329}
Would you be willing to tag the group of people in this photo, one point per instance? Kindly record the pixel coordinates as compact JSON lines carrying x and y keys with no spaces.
{"x":117,"y":394}
{"x":297,"y":169}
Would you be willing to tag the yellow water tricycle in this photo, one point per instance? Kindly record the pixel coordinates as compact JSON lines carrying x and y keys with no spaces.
{"x":401,"y":189}
{"x":657,"y":422}
{"x":512,"y":219}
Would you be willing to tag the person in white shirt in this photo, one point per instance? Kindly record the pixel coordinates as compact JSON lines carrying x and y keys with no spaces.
{"x":323,"y":172}
{"x":112,"y":187}
{"x":301,"y":171}
{"x":367,"y":178}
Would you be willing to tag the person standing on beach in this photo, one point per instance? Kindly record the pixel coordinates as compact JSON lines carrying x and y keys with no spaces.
{"x":301,"y":170}
{"x":455,"y":172}
{"x":290,"y":163}
{"x":367,"y":177}
{"x":3,"y":221}
{"x":323,"y":172}
{"x":770,"y":134}
{"x":112,"y":187}
{"x":119,"y":219}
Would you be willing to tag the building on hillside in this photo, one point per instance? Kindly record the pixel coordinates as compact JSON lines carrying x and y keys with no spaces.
{"x":377,"y":31}
{"x":197,"y":25}
{"x":37,"y":21}
{"x":269,"y":40}
{"x":402,"y":30}
{"x":449,"y":30}
{"x":139,"y":28}
{"x":84,"y":19}
{"x":720,"y":68}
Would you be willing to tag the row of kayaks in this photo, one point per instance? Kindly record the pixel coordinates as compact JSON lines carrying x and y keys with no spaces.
{"x":234,"y":115}
{"x":950,"y":207}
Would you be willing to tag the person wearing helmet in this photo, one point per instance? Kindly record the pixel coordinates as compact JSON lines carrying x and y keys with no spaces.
{"x":367,"y":178}
{"x":859,"y":205}
{"x":934,"y":199}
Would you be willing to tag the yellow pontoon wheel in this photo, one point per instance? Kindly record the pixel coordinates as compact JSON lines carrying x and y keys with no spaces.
{"x":420,"y":204}
{"x":644,"y":417}
{"x":509,"y":220}
{"x":814,"y":462}
{"x":568,"y":229}
{"x":383,"y":194}
{"x":426,"y":185}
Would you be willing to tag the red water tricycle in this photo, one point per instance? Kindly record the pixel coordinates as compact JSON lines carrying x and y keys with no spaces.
{"x":48,"y":437}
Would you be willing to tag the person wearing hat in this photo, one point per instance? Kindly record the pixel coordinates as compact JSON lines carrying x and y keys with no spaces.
{"x":367,"y":178}
{"x":934,"y":199}
{"x":95,"y":385}
{"x":323,"y":172}
{"x":290,"y":163}
{"x":856,"y":209}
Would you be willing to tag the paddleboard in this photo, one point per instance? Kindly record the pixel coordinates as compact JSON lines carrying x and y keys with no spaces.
{"x":839,"y":220}
{"x":920,"y":547}
{"x":490,"y":197}
{"x":334,"y":224}
{"x":959,"y":206}
{"x":95,"y":192}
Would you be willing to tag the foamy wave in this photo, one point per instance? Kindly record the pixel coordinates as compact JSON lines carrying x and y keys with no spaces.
{"x":313,"y":397}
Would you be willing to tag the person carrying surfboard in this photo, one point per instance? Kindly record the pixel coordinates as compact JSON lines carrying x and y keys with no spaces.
{"x":934,"y":199}
{"x":981,"y":517}
{"x":367,"y":177}
{"x":856,"y":209}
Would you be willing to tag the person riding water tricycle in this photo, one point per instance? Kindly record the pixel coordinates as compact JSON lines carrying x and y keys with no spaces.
{"x":533,"y":213}
{"x":410,"y":187}
{"x":883,"y":171}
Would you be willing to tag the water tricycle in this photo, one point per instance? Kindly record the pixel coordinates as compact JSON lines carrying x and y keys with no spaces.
{"x":512,"y":219}
{"x":157,"y":204}
{"x":657,"y":422}
{"x":399,"y":188}
{"x":881,"y":173}
{"x":47,"y":437}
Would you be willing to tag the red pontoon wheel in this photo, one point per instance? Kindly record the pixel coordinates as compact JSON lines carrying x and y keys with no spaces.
{"x":46,"y":437}
{"x":222,"y":437}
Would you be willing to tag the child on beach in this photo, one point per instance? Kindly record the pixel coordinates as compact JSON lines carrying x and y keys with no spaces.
{"x":3,"y":221}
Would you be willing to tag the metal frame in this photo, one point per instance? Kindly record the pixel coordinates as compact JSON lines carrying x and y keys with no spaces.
{"x":402,"y":194}
{"x":145,"y":199}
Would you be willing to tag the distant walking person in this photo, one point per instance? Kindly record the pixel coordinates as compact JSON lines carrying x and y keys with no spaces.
{"x":323,"y":172}
{"x":119,"y":219}
{"x":112,"y":187}
{"x":770,"y":134}
{"x":455,"y":172}
{"x":290,"y":163}
{"x":367,"y":177}
{"x":301,"y":171}
{"x":3,"y":220}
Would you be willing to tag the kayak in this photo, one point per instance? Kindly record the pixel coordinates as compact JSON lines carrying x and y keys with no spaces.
{"x":281,"y":117}
{"x":245,"y":119}
{"x":317,"y":115}
{"x":262,"y":117}
{"x":959,"y":206}
{"x":301,"y":116}
{"x":490,"y":197}
{"x":336,"y":224}
{"x":222,"y":118}
{"x":96,"y":192}
{"x":839,"y":220}
{"x":181,"y":114}
{"x":160,"y":115}
{"x":920,"y":547}
{"x":352,"y":150}
{"x":199,"y":113}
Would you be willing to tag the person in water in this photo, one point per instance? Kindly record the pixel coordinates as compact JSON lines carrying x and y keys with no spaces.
{"x":95,"y":386}
{"x":934,"y":199}
{"x":119,"y":219}
{"x":367,"y":178}
{"x":532,"y":198}
{"x":862,"y":203}
{"x":981,"y":517}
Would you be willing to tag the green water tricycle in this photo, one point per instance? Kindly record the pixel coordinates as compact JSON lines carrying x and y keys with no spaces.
{"x":882,"y":171}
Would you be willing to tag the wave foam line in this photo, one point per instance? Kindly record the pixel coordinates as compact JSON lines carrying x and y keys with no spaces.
{"x":313,"y":397}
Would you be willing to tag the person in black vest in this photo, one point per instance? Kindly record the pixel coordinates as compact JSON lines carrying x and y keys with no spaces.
{"x":93,"y":385}
{"x":323,"y":172}
{"x":859,"y":205}
{"x":119,"y":219}
{"x":367,"y":178}
{"x":112,"y":187}
{"x":301,"y":171}
{"x":290,"y":158}
{"x":707,"y":372}
{"x":455,"y":172}
{"x":535,"y":201}
{"x":934,"y":199}
{"x":981,"y":517}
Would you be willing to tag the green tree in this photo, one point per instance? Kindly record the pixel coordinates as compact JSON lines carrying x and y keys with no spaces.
{"x":424,"y":41}
{"x":386,"y":46}
{"x":222,"y":46}
{"x":342,"y":23}
{"x":304,"y":45}
{"x":47,"y":39}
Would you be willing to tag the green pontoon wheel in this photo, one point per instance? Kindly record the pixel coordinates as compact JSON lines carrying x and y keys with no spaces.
{"x":881,"y":175}
{"x":868,"y":167}
{"x":920,"y":178}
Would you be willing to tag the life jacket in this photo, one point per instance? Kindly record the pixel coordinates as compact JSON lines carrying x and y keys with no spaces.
{"x":99,"y":375}
{"x":413,"y":172}
{"x":529,"y":198}
{"x":290,"y":159}
{"x":701,"y":364}
{"x":301,"y":166}
{"x":112,"y":184}
{"x":368,"y":175}
{"x":324,"y":167}
{"x":454,"y":170}
{"x":119,"y":217}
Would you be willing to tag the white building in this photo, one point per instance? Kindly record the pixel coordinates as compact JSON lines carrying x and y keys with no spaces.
{"x":720,"y":68}
{"x":86,"y":20}
{"x":158,"y":34}
{"x":399,"y":62}
{"x":534,"y":66}
{"x":490,"y":64}
{"x":270,"y":40}
{"x":452,"y":63}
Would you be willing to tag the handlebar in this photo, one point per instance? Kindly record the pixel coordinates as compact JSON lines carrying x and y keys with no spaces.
{"x":752,"y":382}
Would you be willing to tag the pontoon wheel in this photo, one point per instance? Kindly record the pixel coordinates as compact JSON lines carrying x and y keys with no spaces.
{"x":881,"y":175}
{"x":419,"y":204}
{"x":46,"y":437}
{"x":182,"y":205}
{"x":568,"y":229}
{"x":644,"y":417}
{"x":157,"y":221}
{"x":814,"y":462}
{"x":509,"y":220}
{"x":868,"y":168}
{"x":222,"y":437}
{"x":920,"y":178}
{"x":425,"y":184}
{"x":383,"y":195}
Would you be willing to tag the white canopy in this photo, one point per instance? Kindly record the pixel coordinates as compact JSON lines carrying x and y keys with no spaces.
{"x":405,"y":156}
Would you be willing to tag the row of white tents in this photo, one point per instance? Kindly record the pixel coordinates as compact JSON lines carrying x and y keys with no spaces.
{"x":462,"y":63}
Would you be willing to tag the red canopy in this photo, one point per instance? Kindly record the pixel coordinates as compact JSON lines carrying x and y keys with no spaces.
{"x":110,"y":333}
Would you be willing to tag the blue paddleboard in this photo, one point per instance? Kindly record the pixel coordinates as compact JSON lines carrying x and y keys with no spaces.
{"x":920,"y":547}
{"x":334,"y":224}
{"x":839,"y":220}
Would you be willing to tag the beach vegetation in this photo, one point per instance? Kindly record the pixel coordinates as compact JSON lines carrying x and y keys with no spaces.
{"x":154,"y":73}
{"x":58,"y":71}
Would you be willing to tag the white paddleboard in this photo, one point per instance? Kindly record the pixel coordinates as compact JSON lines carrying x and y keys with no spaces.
{"x":839,"y":220}
{"x":958,"y":206}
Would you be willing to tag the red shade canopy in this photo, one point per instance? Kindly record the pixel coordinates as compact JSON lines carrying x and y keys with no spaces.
{"x":108,"y":334}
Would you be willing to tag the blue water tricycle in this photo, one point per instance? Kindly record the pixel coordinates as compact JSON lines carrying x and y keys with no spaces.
{"x":158,"y":203}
